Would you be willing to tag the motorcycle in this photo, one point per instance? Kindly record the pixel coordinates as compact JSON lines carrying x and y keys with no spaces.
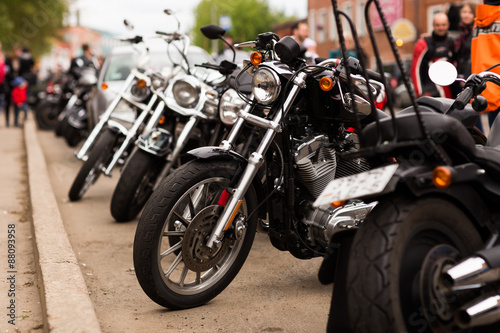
{"x":426,"y":258}
{"x":52,"y":102}
{"x":143,"y":91}
{"x":197,"y":228}
{"x":202,"y":113}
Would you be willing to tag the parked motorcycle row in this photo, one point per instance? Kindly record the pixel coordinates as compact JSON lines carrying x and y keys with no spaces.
{"x":402,"y":207}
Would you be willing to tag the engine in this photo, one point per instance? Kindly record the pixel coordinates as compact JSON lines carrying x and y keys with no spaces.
{"x":317,"y":164}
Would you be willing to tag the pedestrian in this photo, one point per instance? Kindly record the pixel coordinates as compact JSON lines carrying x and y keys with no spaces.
{"x":484,"y":50}
{"x":463,"y":42}
{"x":427,"y":50}
{"x":86,"y":60}
{"x":2,"y":78}
{"x":16,"y":66}
{"x":300,"y":32}
{"x":19,"y":96}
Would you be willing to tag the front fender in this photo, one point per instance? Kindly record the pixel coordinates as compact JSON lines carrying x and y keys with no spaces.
{"x":114,"y":125}
{"x":156,"y":142}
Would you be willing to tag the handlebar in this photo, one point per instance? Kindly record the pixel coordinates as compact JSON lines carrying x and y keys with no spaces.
{"x":463,"y":98}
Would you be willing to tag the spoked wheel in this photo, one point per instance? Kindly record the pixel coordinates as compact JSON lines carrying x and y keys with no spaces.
{"x":172,"y":263}
{"x":398,"y":255}
{"x":92,"y":168}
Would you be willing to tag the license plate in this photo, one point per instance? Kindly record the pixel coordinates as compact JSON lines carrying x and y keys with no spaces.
{"x":356,"y":186}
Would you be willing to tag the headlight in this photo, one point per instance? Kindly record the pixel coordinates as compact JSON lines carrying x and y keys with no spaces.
{"x":266,"y":85}
{"x":186,"y":92}
{"x":230,"y":104}
{"x":140,"y":90}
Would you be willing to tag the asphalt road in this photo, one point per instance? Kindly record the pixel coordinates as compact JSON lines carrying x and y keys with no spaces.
{"x":274,"y":292}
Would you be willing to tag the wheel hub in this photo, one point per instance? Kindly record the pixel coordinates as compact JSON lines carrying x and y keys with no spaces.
{"x":437,"y":298}
{"x":195,"y":254}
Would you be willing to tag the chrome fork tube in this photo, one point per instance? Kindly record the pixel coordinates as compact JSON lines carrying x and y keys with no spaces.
{"x":254,"y":163}
{"x":180,"y":143}
{"x":103,"y":119}
{"x":130,"y":134}
{"x":235,"y":131}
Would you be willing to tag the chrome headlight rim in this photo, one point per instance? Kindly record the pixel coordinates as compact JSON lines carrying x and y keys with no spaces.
{"x":183,"y":99}
{"x":139,"y":94}
{"x":273,"y":92}
{"x":228,"y":113}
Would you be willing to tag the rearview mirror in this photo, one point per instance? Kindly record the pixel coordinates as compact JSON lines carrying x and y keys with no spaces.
{"x":443,"y":73}
{"x":128,"y":25}
{"x":212,"y":31}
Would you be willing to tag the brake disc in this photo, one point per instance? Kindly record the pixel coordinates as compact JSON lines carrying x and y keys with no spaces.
{"x":196,"y":256}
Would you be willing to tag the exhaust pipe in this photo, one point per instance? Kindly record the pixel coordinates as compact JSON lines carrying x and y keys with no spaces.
{"x":475,"y":271}
{"x":480,"y":313}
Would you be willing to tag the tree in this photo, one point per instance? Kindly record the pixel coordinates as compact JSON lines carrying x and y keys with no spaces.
{"x":31,"y":23}
{"x":248,"y":17}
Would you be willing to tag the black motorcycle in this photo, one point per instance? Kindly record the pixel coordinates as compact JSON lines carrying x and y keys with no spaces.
{"x":427,"y":257}
{"x":197,"y":228}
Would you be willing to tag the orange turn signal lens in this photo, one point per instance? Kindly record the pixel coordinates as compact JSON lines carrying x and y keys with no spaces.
{"x":441,"y":177}
{"x":337,"y":204}
{"x":256,"y":58}
{"x":141,"y":83}
{"x":104,"y":86}
{"x":326,"y":83}
{"x":162,"y":120}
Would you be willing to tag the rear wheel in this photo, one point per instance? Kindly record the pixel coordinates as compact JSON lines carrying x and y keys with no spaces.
{"x":172,"y":264}
{"x":135,"y":185}
{"x":396,"y":258}
{"x":92,"y":168}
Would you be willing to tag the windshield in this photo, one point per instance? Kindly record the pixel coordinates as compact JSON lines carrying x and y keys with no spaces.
{"x":120,"y":65}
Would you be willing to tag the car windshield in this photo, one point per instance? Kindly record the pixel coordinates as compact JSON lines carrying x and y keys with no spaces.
{"x":120,"y":65}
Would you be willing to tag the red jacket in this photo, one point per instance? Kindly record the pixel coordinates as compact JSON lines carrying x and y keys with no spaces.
{"x":485,"y":49}
{"x":19,"y":95}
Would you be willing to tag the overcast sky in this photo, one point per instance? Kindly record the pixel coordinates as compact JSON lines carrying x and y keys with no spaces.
{"x":148,"y":16}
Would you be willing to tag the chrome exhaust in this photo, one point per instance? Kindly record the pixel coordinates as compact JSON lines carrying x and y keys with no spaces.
{"x":479,"y":313}
{"x":470,"y":273}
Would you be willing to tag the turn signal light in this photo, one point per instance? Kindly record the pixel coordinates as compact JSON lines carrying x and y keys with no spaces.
{"x":141,"y":83}
{"x":441,"y":177}
{"x":337,"y":204}
{"x":256,"y":58}
{"x":326,"y":83}
{"x":162,"y":120}
{"x":104,"y":86}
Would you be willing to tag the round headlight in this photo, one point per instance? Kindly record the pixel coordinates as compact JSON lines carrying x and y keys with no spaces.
{"x":266,"y":85}
{"x":139,"y":90}
{"x":186,"y":93}
{"x":230,"y":104}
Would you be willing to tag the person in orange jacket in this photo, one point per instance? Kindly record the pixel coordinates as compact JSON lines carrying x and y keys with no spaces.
{"x":485,"y":50}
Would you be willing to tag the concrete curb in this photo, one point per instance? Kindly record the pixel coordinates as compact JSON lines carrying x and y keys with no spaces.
{"x":65,"y":299}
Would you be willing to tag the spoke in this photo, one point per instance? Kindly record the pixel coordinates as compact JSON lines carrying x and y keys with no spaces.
{"x":183,"y":276}
{"x":181,"y":219}
{"x":174,"y":233}
{"x":176,"y":262}
{"x":170,"y":250}
{"x":191,"y":206}
{"x":198,"y":277}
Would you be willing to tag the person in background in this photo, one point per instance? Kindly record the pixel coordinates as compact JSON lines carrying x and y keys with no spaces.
{"x":437,"y":46}
{"x":16,"y":66}
{"x":2,"y":78}
{"x":300,"y":32}
{"x":81,"y":62}
{"x":463,"y":43}
{"x":19,"y":96}
{"x":484,"y":50}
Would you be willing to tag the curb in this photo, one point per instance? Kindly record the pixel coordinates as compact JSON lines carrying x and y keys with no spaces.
{"x":66,"y":304}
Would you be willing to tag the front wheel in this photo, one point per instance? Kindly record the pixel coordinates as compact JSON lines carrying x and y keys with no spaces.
{"x":46,"y":115}
{"x":172,"y":264}
{"x":135,"y":185}
{"x":92,"y":168}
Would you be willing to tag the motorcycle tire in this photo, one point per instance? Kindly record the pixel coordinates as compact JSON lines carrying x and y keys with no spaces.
{"x":170,"y":234}
{"x":135,"y":185}
{"x":92,"y":168}
{"x":46,"y":115}
{"x":389,"y":254}
{"x":61,"y":125}
{"x":72,"y":136}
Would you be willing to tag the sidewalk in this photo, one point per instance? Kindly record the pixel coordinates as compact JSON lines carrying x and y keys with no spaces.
{"x":50,"y":294}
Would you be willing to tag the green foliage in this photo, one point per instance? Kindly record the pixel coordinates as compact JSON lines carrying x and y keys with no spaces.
{"x":249,"y":18}
{"x":31,"y":23}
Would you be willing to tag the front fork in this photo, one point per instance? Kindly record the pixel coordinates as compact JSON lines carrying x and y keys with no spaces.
{"x":254,"y":162}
